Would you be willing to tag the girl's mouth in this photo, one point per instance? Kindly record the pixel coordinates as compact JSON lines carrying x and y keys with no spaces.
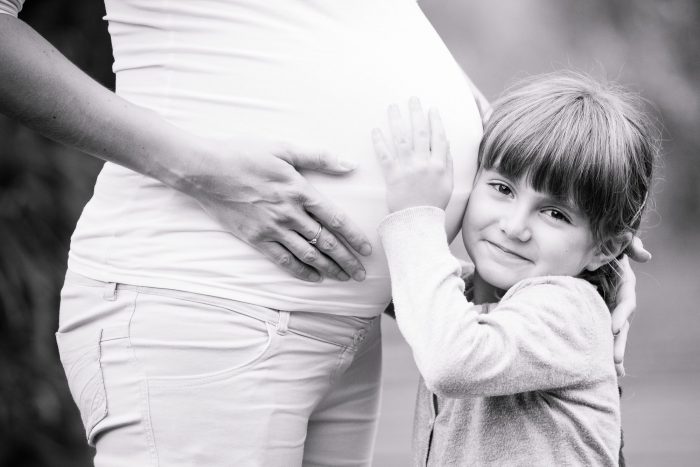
{"x":507,"y":252}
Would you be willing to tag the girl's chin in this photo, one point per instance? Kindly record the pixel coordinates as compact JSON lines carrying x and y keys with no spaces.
{"x":499,"y":279}
{"x":489,"y":289}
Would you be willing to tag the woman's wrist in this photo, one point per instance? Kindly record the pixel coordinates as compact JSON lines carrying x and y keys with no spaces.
{"x":184,"y":166}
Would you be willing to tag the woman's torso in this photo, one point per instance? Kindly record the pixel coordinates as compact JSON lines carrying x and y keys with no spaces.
{"x":317,"y":74}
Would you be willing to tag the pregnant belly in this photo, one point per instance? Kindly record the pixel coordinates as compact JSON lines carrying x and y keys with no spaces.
{"x":325,"y":96}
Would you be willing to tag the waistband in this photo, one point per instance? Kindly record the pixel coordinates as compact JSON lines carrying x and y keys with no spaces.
{"x":335,"y":329}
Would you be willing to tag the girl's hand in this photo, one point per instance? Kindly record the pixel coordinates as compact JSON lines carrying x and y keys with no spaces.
{"x":418,"y":168}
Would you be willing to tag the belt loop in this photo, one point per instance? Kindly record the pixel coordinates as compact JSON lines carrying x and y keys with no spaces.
{"x":110,"y":291}
{"x":283,"y":323}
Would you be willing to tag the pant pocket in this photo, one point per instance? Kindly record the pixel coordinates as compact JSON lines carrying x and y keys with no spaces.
{"x":81,"y":362}
{"x":181,"y":342}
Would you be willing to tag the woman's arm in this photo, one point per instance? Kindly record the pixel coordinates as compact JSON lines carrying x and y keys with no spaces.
{"x":251,"y":187}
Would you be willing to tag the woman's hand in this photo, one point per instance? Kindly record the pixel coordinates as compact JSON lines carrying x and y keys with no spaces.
{"x":626,"y":301}
{"x":253,"y":189}
{"x":418,"y":169}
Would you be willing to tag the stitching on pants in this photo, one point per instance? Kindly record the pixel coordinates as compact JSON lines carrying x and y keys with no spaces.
{"x":204,"y":302}
{"x":334,"y":374}
{"x":144,"y":390}
{"x":316,"y":338}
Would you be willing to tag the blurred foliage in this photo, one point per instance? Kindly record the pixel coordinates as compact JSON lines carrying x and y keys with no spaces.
{"x":652,"y":44}
{"x":43,"y":187}
{"x":663,"y":53}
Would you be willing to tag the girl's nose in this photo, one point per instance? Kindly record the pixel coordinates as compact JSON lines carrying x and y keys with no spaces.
{"x":515,"y":226}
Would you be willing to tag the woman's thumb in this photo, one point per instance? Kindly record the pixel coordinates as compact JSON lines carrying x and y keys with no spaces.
{"x":318,"y":161}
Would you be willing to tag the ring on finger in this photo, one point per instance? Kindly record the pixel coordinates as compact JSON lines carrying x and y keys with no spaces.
{"x":314,"y":240}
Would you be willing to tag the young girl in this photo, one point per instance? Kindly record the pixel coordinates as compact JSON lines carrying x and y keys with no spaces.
{"x":517,"y":367}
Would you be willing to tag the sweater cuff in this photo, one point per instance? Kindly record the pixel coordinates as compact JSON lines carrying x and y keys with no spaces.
{"x":409,"y":218}
{"x":419,"y":230}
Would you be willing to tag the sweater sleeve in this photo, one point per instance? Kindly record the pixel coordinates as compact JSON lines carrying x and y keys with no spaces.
{"x":546,"y":333}
{"x":11,"y":7}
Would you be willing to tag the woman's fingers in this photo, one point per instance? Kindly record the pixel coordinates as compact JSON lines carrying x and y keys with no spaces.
{"x":619,"y":349}
{"x":264,"y":201}
{"x":286,"y":241}
{"x":305,"y":210}
{"x":626,"y":296}
{"x":636,"y":251}
{"x":338,"y":231}
{"x":312,"y":255}
{"x":287,"y":261}
{"x":314,"y":160}
{"x":623,"y":312}
{"x":419,"y":125}
{"x":331,"y":252}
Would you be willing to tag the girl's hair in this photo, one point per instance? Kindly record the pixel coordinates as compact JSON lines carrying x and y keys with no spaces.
{"x":585,"y":142}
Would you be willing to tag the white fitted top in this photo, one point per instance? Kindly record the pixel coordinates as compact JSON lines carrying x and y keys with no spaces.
{"x":318,"y":74}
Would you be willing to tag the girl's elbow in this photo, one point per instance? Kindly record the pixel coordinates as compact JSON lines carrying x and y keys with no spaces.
{"x":475,"y":378}
{"x":447,"y":381}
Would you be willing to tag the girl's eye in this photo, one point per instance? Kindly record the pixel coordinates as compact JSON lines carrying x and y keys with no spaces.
{"x":557,"y":215}
{"x":502,"y":188}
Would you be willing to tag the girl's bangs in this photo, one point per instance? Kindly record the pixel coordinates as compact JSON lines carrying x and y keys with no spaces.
{"x":565,"y":171}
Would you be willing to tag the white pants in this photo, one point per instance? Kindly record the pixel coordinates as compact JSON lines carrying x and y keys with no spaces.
{"x":170,"y":378}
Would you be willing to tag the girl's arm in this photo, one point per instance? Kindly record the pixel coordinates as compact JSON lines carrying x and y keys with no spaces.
{"x":527,"y":343}
{"x":251,"y":187}
{"x":545,"y":334}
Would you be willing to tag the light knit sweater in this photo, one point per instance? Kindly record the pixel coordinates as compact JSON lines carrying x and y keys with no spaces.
{"x":528,"y":381}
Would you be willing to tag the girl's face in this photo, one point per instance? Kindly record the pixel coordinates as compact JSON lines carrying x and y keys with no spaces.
{"x":513,"y":232}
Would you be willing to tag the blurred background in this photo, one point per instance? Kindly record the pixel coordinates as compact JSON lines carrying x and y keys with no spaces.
{"x":651,"y":46}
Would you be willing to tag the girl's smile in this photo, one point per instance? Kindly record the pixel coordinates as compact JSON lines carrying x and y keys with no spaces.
{"x":513,"y":232}
{"x":505,"y":253}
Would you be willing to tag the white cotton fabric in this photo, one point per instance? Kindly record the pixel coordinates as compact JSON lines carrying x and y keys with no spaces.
{"x":11,"y":7}
{"x":316,"y":73}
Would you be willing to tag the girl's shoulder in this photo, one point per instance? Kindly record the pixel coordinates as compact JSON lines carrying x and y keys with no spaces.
{"x":560,"y":292}
{"x":570,"y":283}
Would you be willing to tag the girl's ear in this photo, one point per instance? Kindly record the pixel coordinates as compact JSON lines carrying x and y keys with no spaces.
{"x":609,"y":250}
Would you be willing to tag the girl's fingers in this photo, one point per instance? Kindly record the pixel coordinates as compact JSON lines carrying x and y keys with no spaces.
{"x":439,"y":147}
{"x":381,"y":148}
{"x":447,"y":160}
{"x":399,"y":133}
{"x":420,"y":127}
